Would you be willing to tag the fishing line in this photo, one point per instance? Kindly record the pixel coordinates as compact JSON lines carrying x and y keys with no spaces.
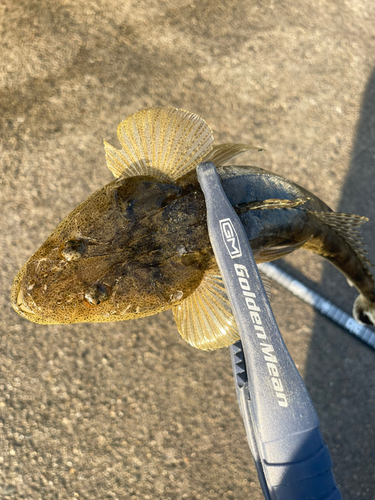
{"x":319,"y":303}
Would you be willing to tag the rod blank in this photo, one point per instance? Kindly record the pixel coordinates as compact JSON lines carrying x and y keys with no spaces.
{"x":324,"y":306}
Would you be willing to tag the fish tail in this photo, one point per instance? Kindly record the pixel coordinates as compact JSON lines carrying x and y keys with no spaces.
{"x":339,"y":241}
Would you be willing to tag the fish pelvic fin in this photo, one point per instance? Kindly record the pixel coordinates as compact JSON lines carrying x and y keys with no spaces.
{"x":165,"y":143}
{"x":274,"y":253}
{"x":205,"y":319}
{"x":266,"y":283}
{"x":223,"y":153}
{"x":348,"y":226}
{"x":364,"y":310}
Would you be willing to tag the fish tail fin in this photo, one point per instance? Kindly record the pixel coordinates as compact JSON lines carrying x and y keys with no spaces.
{"x":364,"y":310}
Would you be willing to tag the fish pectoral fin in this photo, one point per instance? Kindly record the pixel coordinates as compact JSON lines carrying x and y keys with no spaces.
{"x":165,"y":143}
{"x":269,"y":254}
{"x":347,"y":226}
{"x":223,"y":153}
{"x":273,"y":203}
{"x":205,"y":319}
{"x":117,"y":161}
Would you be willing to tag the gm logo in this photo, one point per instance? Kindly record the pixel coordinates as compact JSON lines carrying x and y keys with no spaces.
{"x":230,"y":238}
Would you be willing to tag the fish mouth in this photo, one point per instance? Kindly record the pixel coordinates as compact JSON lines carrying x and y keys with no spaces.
{"x":21,"y":303}
{"x":18,"y":299}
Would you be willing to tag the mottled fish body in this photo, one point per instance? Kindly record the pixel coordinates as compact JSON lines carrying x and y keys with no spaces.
{"x":311,"y":225}
{"x":140,"y":244}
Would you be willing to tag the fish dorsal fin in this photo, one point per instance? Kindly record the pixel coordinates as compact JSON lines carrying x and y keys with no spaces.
{"x":205,"y":319}
{"x":274,"y":253}
{"x":222,"y":153}
{"x":347,"y":226}
{"x":165,"y":143}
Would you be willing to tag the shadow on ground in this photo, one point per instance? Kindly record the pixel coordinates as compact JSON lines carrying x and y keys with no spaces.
{"x":352,"y":383}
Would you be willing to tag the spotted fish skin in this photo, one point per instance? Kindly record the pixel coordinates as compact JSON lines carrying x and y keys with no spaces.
{"x":331,"y":235}
{"x":144,"y":242}
{"x":140,"y":244}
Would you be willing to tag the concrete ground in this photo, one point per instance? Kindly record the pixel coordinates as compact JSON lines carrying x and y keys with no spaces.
{"x":128,"y":410}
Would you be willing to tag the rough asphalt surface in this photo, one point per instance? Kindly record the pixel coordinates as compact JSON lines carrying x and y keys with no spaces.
{"x":128,"y":410}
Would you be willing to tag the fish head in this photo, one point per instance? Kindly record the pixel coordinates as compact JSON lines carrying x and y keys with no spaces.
{"x":126,"y":252}
{"x":137,"y":246}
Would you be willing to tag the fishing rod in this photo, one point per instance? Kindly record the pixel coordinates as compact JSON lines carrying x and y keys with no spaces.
{"x":282,"y":427}
{"x":319,"y":303}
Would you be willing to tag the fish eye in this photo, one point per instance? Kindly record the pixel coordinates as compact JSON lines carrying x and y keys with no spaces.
{"x":72,"y":249}
{"x":96,"y":294}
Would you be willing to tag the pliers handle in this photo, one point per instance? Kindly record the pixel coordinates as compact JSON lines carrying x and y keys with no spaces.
{"x":282,"y":426}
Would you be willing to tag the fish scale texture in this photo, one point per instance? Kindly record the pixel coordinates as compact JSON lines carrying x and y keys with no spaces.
{"x":127,"y":410}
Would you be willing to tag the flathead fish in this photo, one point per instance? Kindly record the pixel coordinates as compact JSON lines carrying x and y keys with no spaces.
{"x":140,"y":244}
